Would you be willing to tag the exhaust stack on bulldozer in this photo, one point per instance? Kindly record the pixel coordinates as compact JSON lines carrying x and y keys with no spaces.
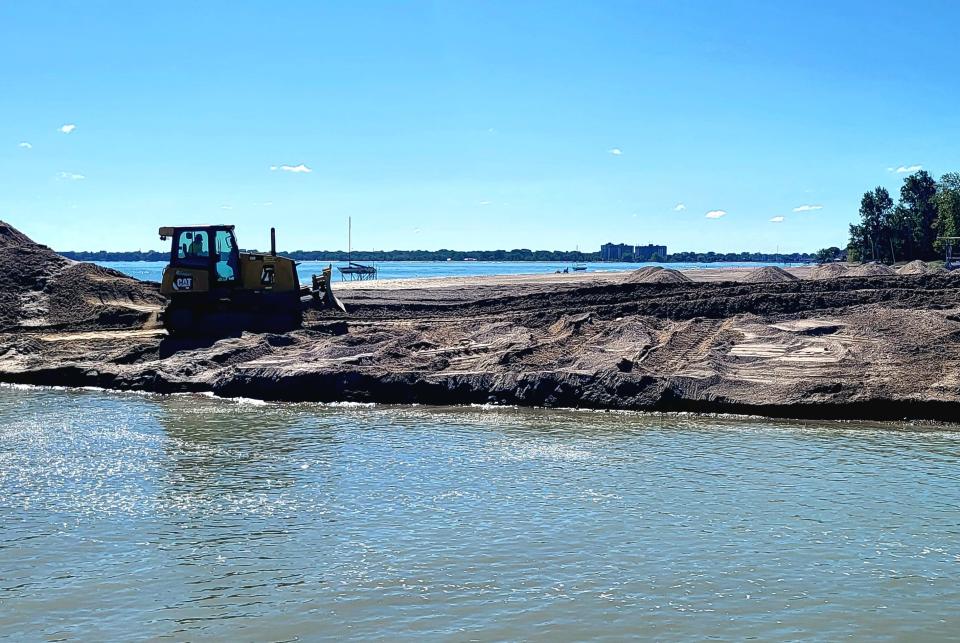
{"x":213,"y":288}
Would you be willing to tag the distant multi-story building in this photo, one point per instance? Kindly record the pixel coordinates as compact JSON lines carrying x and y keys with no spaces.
{"x":615,"y":251}
{"x":646,"y":253}
{"x":626,"y":252}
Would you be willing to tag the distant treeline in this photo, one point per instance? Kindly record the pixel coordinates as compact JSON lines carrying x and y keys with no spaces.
{"x":521,"y":254}
{"x":909,"y":229}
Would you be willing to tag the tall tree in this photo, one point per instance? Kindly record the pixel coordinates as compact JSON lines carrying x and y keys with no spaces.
{"x":898,"y":224}
{"x":871,"y":239}
{"x":947,"y":201}
{"x":913,"y":223}
{"x":857,"y":247}
{"x":824,"y":255}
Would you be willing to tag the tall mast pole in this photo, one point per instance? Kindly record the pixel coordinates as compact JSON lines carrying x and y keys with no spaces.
{"x":349,"y":237}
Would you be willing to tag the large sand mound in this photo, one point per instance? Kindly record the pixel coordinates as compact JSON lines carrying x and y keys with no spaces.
{"x":768,"y":275}
{"x":871,"y":270}
{"x":828,"y":271}
{"x":657,"y":275}
{"x":642,"y":275}
{"x":39,"y":288}
{"x":917,"y":267}
{"x":10,"y":237}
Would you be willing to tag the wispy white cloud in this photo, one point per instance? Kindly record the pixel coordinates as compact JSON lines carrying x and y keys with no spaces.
{"x":267,"y":203}
{"x":807,"y":208}
{"x":485,"y":203}
{"x":296,"y":169}
{"x":69,"y":127}
{"x":679,"y":207}
{"x":25,"y":145}
{"x":906,"y":169}
{"x":70,"y":176}
{"x":616,"y":151}
{"x":226,"y":207}
{"x":777,"y":219}
{"x":716,"y":214}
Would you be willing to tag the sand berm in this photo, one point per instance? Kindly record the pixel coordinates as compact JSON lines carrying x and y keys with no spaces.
{"x":755,"y":342}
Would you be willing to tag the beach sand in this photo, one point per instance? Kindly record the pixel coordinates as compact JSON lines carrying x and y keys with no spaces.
{"x":573,"y":278}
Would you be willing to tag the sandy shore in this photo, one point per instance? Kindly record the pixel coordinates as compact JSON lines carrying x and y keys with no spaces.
{"x":574,"y":278}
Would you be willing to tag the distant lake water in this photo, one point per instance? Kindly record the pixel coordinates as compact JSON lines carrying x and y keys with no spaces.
{"x":153,"y":270}
{"x":132,"y":517}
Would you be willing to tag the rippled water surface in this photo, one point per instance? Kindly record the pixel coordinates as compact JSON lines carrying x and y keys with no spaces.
{"x":129,"y":517}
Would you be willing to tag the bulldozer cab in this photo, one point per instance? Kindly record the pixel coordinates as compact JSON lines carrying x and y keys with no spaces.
{"x":212,"y":249}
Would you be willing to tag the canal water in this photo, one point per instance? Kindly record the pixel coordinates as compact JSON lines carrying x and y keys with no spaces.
{"x":129,"y":517}
{"x":153,"y":270}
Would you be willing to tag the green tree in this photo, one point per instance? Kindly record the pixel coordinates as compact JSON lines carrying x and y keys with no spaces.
{"x":857,"y":246}
{"x":871,"y":238}
{"x":947,"y":201}
{"x":827,"y":254}
{"x":912,"y":225}
{"x":900,"y":235}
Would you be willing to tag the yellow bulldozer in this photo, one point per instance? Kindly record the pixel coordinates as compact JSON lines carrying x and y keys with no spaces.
{"x":213,"y":288}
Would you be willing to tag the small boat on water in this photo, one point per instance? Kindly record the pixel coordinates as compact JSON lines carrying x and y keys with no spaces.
{"x":578,"y":265}
{"x":358,"y":270}
{"x":354,"y":270}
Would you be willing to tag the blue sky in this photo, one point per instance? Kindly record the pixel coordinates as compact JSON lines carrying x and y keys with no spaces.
{"x":469,"y":125}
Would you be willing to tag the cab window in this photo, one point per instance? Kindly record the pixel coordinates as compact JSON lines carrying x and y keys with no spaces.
{"x":193,"y":247}
{"x":227,"y":256}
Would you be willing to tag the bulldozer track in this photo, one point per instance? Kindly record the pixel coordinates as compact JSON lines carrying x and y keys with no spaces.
{"x":682,"y":346}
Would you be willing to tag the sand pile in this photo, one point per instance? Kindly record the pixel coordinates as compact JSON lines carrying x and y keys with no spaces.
{"x":10,"y":237}
{"x":828,"y":271}
{"x":642,"y":275}
{"x":39,"y":288}
{"x":665,"y":276}
{"x":768,"y":275}
{"x":871,"y":270}
{"x":25,"y":270}
{"x":917,"y":267}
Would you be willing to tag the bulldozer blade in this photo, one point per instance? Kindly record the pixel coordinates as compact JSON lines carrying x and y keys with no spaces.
{"x":329,"y":297}
{"x":332,"y":299}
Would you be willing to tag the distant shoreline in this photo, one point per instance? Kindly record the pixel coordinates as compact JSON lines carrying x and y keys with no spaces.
{"x":151,"y":256}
